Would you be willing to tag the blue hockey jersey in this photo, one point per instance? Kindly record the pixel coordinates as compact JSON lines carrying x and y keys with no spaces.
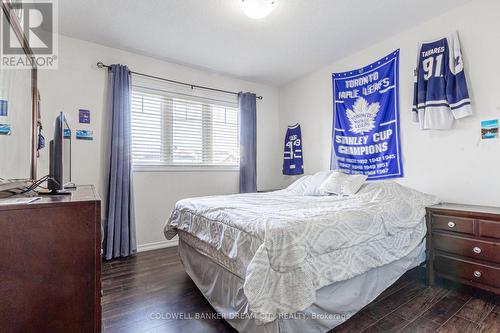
{"x":293,"y":163}
{"x":440,"y":88}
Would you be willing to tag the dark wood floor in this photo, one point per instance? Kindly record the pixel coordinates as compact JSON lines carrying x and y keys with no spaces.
{"x":143,"y":293}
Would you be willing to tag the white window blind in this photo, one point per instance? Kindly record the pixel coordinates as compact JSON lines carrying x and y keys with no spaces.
{"x":177,"y":129}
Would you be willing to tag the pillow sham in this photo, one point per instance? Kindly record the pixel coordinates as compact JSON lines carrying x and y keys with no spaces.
{"x":313,"y":188}
{"x":299,"y":186}
{"x":342,"y":184}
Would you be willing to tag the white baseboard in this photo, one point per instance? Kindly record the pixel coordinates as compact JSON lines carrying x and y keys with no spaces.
{"x":157,"y":245}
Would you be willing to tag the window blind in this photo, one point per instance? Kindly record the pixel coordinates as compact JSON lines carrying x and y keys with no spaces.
{"x":177,"y":129}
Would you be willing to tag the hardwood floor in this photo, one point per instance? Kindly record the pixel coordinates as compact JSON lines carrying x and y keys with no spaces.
{"x":144,"y":293}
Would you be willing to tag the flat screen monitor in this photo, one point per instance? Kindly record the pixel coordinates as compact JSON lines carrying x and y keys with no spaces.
{"x":66,"y":153}
{"x":60,"y":156}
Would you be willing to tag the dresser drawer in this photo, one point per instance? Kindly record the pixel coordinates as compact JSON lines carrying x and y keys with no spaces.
{"x":490,"y":229}
{"x":482,"y":250}
{"x":468,"y":270}
{"x":452,"y":223}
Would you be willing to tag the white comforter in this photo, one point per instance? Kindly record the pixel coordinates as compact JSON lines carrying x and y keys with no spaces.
{"x":294,"y":245}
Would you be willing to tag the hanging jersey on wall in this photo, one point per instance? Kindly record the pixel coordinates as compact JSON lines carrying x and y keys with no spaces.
{"x":293,"y":163}
{"x":440,"y":88}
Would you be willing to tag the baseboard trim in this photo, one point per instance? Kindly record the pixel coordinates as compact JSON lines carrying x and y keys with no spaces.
{"x":157,"y":245}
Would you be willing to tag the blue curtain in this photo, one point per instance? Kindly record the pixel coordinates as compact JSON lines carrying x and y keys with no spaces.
{"x":248,"y":142}
{"x":120,"y":223}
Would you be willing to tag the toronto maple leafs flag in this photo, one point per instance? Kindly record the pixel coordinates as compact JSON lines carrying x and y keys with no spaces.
{"x":366,"y":120}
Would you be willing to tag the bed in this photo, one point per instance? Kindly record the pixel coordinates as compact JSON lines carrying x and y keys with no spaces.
{"x":285,"y":262}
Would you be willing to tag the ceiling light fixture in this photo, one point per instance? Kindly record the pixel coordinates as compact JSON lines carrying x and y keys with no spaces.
{"x":257,"y":9}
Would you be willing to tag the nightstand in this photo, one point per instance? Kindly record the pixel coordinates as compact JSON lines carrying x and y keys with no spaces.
{"x":463,"y":244}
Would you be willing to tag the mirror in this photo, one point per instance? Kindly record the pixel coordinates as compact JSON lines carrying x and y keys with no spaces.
{"x":18,"y":117}
{"x":15,"y":124}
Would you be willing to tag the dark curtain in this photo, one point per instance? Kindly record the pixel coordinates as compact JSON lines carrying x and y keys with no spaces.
{"x":248,"y":142}
{"x":120,"y":238}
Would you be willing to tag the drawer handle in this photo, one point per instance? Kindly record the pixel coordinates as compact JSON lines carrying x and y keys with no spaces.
{"x":451,"y":224}
{"x":477,"y":274}
{"x":476,"y":249}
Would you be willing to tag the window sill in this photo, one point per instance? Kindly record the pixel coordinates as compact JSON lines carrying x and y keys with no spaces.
{"x":184,"y":168}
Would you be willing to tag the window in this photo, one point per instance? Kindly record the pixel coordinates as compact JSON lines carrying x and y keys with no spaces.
{"x":175,"y":129}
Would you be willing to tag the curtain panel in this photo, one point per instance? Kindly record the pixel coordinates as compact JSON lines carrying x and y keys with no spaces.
{"x":248,"y":142}
{"x":120,"y":238}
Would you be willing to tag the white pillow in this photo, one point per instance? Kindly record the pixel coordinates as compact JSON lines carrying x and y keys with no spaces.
{"x":299,"y":186}
{"x":342,"y":184}
{"x":316,"y":180}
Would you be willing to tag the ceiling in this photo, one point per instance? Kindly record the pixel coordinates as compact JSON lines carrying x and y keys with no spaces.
{"x":298,"y":37}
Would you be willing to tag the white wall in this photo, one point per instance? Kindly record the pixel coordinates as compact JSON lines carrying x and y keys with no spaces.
{"x":455,"y":164}
{"x":78,"y":83}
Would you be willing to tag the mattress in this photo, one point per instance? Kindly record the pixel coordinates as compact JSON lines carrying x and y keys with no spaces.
{"x":285,"y":246}
{"x":333,"y":304}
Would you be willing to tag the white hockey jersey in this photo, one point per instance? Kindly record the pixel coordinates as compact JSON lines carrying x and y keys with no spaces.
{"x":440,"y":88}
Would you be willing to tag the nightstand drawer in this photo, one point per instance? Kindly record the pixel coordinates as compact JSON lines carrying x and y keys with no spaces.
{"x":467,"y":270}
{"x":490,"y":229}
{"x":467,"y":247}
{"x":452,"y":223}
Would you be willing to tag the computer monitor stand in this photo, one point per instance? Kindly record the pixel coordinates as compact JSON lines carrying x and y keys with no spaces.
{"x":54,"y":192}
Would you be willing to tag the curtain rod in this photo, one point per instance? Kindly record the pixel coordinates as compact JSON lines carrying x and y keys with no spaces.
{"x":100,"y":64}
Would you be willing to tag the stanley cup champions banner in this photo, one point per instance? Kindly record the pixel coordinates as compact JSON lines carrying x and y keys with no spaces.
{"x":366,"y":120}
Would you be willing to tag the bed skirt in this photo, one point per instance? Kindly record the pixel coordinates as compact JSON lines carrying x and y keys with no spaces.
{"x":334,"y":303}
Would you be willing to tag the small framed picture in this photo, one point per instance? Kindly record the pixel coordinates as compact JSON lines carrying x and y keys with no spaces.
{"x":67,"y":133}
{"x":84,"y":135}
{"x":489,"y":129}
{"x":4,"y":108}
{"x":5,"y":129}
{"x":84,"y":116}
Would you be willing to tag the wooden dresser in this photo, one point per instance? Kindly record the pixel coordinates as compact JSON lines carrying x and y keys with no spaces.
{"x":50,"y":264}
{"x":463,"y":244}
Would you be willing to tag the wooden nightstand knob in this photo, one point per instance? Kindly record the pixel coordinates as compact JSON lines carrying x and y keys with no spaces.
{"x":451,"y":224}
{"x":477,"y":274}
{"x":476,"y":249}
